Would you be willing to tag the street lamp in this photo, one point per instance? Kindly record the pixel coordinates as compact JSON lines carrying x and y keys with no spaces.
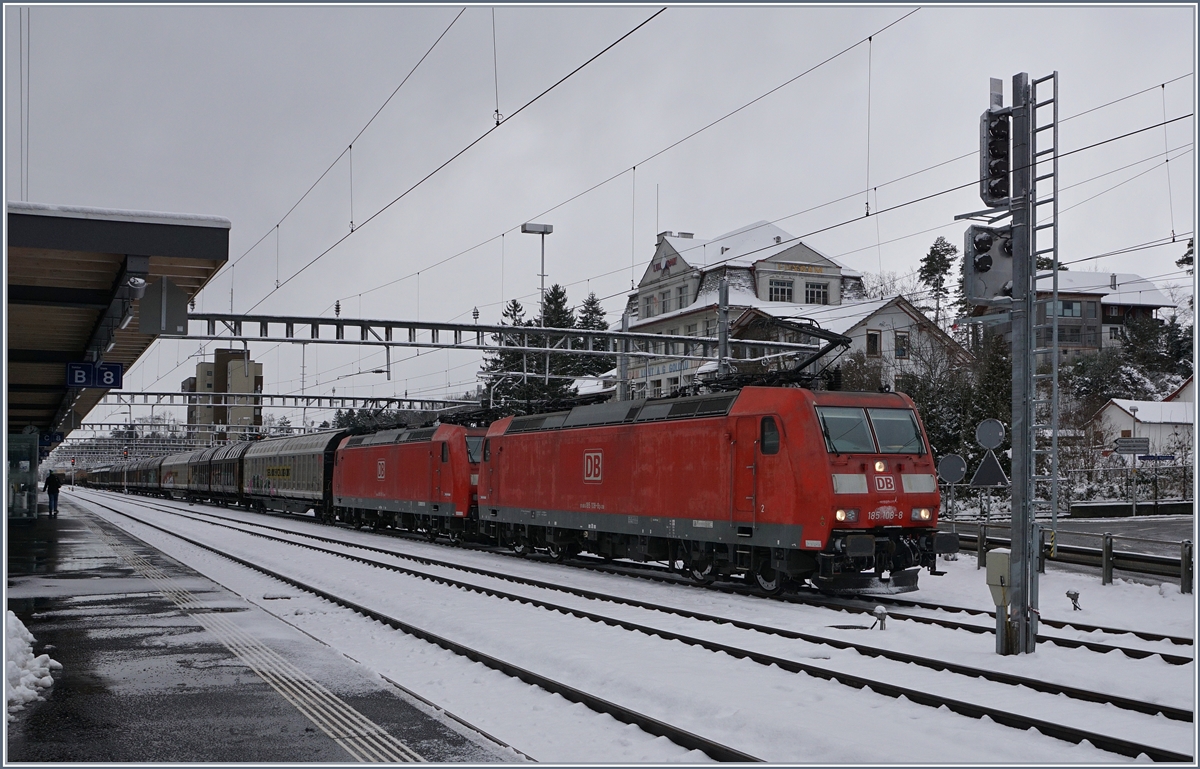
{"x":543,"y":230}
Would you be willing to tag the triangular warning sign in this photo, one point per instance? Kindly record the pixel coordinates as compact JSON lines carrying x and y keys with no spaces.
{"x":990,"y":473}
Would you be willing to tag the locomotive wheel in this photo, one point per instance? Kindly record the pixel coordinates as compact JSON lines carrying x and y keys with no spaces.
{"x":702,"y":572}
{"x":769,"y":580}
{"x":557,"y":552}
{"x":519,"y":545}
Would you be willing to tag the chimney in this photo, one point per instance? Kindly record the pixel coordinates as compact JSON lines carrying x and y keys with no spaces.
{"x":1112,"y":281}
{"x":687,"y":235}
{"x":665,"y":234}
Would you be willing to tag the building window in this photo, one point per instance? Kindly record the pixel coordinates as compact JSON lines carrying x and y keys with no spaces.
{"x":1112,"y":311}
{"x":670,"y":346}
{"x":1069,"y":309}
{"x":665,"y":298}
{"x":1114,"y":332}
{"x":780,"y":291}
{"x":681,"y":297}
{"x":816,"y":293}
{"x":1070,"y":334}
{"x":710,"y":328}
{"x":901,"y":344}
{"x":673,"y":385}
{"x":1091,"y":309}
{"x":655,"y":388}
{"x":873,"y":343}
{"x":648,"y":307}
{"x":691,"y":329}
{"x":1126,"y":433}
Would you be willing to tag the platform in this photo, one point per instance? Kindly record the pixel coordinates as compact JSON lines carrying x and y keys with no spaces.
{"x":182,"y":675}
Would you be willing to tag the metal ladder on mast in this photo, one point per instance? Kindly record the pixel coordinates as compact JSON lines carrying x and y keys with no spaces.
{"x":1046,"y":497}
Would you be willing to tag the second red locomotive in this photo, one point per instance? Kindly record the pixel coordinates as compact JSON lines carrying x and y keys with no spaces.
{"x":838,"y":488}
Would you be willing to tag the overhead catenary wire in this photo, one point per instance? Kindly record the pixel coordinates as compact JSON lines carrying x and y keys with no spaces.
{"x":496,"y":70}
{"x":665,"y":149}
{"x":356,"y":137}
{"x":611,"y":178}
{"x":809,"y":210}
{"x":1167,"y":162}
{"x":459,"y":154}
{"x":844,"y":223}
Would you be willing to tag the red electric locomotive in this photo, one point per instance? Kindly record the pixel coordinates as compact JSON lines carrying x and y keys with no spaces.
{"x":778,"y":483}
{"x":416,"y":479}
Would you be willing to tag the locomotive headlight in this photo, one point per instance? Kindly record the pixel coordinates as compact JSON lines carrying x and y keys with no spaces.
{"x":881,"y":466}
{"x":922,"y":514}
{"x":845,"y":516}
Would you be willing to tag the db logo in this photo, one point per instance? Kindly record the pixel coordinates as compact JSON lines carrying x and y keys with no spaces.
{"x":593,"y":466}
{"x":379,"y":468}
{"x":885,"y":483}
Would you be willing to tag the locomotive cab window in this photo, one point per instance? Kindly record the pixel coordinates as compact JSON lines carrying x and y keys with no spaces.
{"x":897,"y":431}
{"x":474,"y":445}
{"x":445,"y":452}
{"x":770,"y":436}
{"x":845,"y":430}
{"x":487,"y":450}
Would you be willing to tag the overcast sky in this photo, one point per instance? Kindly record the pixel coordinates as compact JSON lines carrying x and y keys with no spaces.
{"x":236,"y":111}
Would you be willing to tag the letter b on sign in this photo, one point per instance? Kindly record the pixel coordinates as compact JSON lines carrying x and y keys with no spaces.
{"x":593,"y":466}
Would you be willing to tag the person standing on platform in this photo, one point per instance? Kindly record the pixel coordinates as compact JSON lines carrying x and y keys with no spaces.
{"x":53,"y":484}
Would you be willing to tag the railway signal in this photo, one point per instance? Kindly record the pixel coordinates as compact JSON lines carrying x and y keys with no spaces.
{"x":995,"y":157}
{"x":987,"y":263}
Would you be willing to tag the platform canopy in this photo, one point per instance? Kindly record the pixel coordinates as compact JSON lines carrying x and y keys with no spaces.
{"x":74,"y":282}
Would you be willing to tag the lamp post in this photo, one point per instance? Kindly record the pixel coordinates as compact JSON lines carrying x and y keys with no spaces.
{"x":543,"y":230}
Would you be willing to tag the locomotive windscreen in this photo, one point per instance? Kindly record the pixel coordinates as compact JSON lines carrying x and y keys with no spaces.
{"x":897,"y":431}
{"x":474,"y":448}
{"x":846,"y":431}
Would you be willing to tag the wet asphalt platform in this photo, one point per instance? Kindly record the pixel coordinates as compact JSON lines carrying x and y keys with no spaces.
{"x":146,"y":680}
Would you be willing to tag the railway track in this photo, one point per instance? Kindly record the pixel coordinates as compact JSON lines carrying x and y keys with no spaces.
{"x":1070,"y":734}
{"x":811,"y":597}
{"x":807,"y":597}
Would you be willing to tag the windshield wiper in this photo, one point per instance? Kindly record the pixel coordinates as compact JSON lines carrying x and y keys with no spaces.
{"x":832,"y":445}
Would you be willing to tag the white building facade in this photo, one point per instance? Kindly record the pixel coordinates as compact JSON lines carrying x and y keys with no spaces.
{"x":771,"y":274}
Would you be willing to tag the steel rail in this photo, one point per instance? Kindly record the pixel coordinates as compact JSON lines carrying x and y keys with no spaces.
{"x":972,"y":710}
{"x":814,"y":598}
{"x":1177,"y":714}
{"x":650,"y":725}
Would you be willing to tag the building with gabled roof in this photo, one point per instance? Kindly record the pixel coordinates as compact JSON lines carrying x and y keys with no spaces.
{"x":771,"y":274}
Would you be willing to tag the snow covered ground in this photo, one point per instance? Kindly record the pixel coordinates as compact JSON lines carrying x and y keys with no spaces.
{"x":765,"y":711}
{"x":25,"y":676}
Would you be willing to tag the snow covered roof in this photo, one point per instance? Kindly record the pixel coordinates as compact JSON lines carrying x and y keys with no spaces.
{"x":744,"y":247}
{"x":839,"y":318}
{"x":600,"y":383}
{"x":1159,"y":412}
{"x":115,"y":214}
{"x":1131,"y":289}
{"x":1185,"y":391}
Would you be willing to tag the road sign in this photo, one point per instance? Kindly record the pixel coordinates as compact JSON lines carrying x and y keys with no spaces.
{"x":1157,"y":458}
{"x":990,"y":433}
{"x":1133,"y":446}
{"x":990,"y":474}
{"x":952,"y":468}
